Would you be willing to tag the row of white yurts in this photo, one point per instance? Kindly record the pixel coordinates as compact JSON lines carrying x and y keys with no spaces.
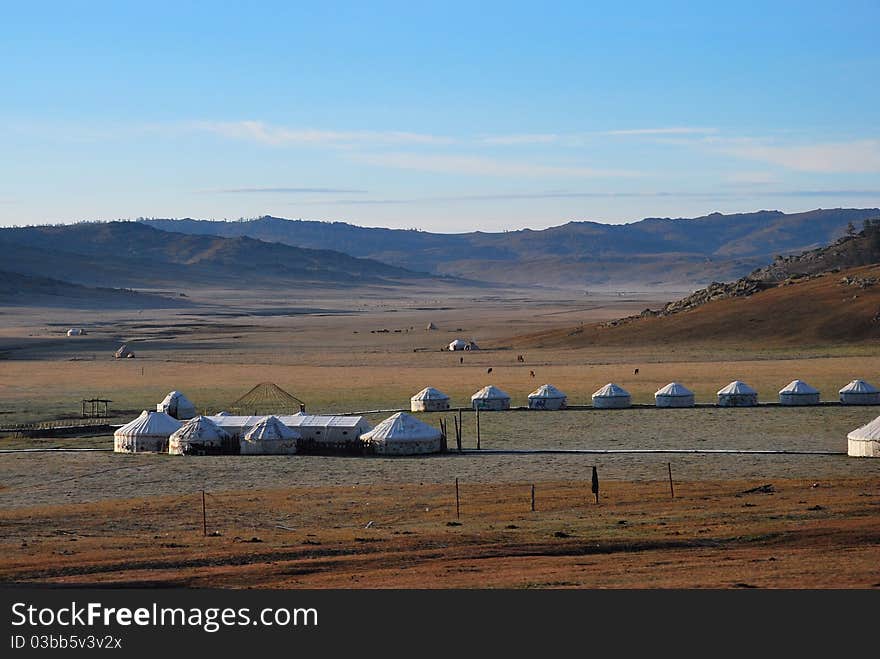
{"x":674,"y":394}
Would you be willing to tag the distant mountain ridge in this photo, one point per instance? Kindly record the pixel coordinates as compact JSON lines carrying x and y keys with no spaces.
{"x":135,"y":255}
{"x":672,"y":253}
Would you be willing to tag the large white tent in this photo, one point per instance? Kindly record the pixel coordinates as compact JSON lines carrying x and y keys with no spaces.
{"x":611,"y":396}
{"x":199,"y":436}
{"x":798,"y":392}
{"x":177,"y":405}
{"x":859,"y":392}
{"x":147,"y":433}
{"x":864,"y":442}
{"x":429,"y":399}
{"x":403,"y":434}
{"x":269,"y":437}
{"x":490,"y":397}
{"x":737,"y":394}
{"x":458,"y":344}
{"x":674,"y":394}
{"x":547,"y":397}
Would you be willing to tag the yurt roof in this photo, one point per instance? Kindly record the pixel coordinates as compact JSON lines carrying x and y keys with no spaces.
{"x":869,"y":431}
{"x":178,"y":396}
{"x":798,"y":387}
{"x":201,"y":427}
{"x":674,"y":389}
{"x":859,"y":387}
{"x":270,"y":428}
{"x":402,"y":427}
{"x":737,"y":387}
{"x":458,"y":342}
{"x":488,"y":392}
{"x":611,"y":390}
{"x":430,"y":393}
{"x":150,"y":423}
{"x":547,"y":391}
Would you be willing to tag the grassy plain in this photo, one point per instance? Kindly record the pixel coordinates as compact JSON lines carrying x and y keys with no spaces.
{"x":91,"y":517}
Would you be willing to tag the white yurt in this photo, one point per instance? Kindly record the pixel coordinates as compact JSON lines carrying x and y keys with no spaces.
{"x":611,"y":395}
{"x":75,"y":331}
{"x":403,"y":434}
{"x":458,"y":344}
{"x":674,"y":394}
{"x":147,"y":433}
{"x":798,"y":392}
{"x":269,"y":437}
{"x":429,"y":399}
{"x":737,"y":394}
{"x":490,"y":397}
{"x":547,"y":397}
{"x":199,"y":436}
{"x":864,"y":442}
{"x":177,"y":405}
{"x":859,"y":392}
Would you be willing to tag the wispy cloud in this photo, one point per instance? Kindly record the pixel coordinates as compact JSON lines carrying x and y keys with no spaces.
{"x":625,"y":194}
{"x":671,"y":130}
{"x":284,"y":191}
{"x":258,"y":131}
{"x":828,"y":157}
{"x":482,"y":166}
{"x":525,"y":138}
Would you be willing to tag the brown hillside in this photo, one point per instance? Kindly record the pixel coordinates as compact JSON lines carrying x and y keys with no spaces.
{"x":820,"y":310}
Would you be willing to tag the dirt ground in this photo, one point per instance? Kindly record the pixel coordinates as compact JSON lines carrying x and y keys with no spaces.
{"x":370,"y":522}
{"x":731,"y":534}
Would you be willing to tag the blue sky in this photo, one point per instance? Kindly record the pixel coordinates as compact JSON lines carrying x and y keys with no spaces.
{"x":442,"y":116}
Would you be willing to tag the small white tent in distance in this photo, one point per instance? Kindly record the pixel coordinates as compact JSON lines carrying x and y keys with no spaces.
{"x":269,"y":437}
{"x":403,"y":434}
{"x":859,"y":392}
{"x":611,"y":396}
{"x":798,"y":392}
{"x":429,"y":399}
{"x":177,"y":405}
{"x":737,"y":394}
{"x":547,"y":397}
{"x":199,"y":436}
{"x":490,"y":398}
{"x":674,"y":394}
{"x":149,"y":433}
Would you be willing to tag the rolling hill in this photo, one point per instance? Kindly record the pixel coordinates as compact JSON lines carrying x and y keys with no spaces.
{"x":828,"y":295}
{"x":131,"y":254}
{"x":666,"y":253}
{"x":833,"y":308}
{"x":25,"y":290}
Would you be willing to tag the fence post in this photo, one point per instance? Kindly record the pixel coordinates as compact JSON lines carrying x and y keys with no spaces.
{"x":533,"y":497}
{"x":671,"y":488}
{"x":204,"y":516}
{"x":457,"y":502}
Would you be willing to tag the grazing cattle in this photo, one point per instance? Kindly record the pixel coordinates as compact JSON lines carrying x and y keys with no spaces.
{"x":520,"y":358}
{"x":461,"y":360}
{"x":531,"y":374}
{"x":636,"y":372}
{"x":489,"y":370}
